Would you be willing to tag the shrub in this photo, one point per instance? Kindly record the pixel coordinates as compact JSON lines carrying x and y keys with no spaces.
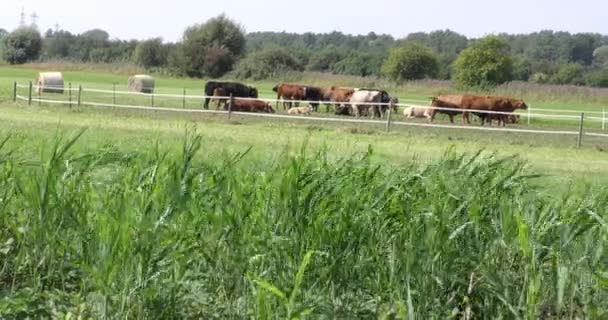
{"x":150,"y":53}
{"x":570,"y":73}
{"x":269,"y":63}
{"x":411,"y":62}
{"x":201,"y":42}
{"x":598,"y":78}
{"x":485,"y":63}
{"x":22,"y":45}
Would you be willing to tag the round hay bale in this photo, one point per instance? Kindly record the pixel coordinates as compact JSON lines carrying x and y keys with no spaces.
{"x":49,"y":82}
{"x":141,"y":83}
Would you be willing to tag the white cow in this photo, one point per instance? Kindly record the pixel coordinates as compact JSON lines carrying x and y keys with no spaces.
{"x":362,"y":100}
{"x":417,"y":112}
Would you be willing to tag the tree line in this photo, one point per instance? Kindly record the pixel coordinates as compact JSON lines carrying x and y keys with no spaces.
{"x":220,"y":45}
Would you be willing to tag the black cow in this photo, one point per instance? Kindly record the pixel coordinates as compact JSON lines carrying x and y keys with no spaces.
{"x":237,"y":90}
{"x":314,"y":95}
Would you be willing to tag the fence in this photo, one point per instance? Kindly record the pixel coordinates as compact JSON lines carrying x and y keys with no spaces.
{"x":76,"y":97}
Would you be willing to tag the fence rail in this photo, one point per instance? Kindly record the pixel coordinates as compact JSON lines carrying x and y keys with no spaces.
{"x":537,"y":113}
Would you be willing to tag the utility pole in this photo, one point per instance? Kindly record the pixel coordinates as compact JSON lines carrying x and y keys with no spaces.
{"x":22,"y":17}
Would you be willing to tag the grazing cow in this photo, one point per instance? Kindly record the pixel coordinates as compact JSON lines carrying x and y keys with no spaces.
{"x":343,"y":110}
{"x":230,"y":88}
{"x":300,"y":110}
{"x":335,"y":96}
{"x":362,"y":100}
{"x":246,"y":105}
{"x":417,"y":112}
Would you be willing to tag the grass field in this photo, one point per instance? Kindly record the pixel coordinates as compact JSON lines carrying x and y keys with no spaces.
{"x":249,"y":218}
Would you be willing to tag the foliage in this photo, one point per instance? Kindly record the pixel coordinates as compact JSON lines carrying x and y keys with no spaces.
{"x":326,"y":59}
{"x":150,"y":53}
{"x":265,"y":64}
{"x":411,"y":62}
{"x":485,"y":63}
{"x":597,"y":78}
{"x":539,"y":78}
{"x":148,"y":233}
{"x":22,"y":45}
{"x":204,"y":43}
{"x":570,"y":73}
{"x":600,"y":56}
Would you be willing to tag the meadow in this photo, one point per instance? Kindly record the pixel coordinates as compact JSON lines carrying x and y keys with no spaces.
{"x":110,"y":213}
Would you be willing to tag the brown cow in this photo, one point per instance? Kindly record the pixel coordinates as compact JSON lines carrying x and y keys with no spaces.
{"x":448,"y":102}
{"x":219,"y":92}
{"x":336,"y":95}
{"x":491,"y":103}
{"x":247,"y":105}
{"x":475,"y":102}
{"x":289,"y":92}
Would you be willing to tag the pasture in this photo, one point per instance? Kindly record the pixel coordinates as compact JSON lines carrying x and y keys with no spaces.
{"x":178,"y":215}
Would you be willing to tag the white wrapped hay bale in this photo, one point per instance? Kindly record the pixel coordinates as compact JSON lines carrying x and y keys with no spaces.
{"x":49,"y":82}
{"x":141,"y":83}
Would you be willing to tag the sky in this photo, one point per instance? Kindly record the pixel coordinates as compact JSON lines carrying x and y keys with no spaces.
{"x":126,"y":19}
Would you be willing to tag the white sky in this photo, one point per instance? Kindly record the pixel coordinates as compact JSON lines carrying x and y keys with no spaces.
{"x":126,"y":19}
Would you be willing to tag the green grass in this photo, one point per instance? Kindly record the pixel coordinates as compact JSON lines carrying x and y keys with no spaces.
{"x":250,"y":218}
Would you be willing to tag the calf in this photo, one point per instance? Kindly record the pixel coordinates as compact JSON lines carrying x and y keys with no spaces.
{"x":300,"y":110}
{"x":417,"y":112}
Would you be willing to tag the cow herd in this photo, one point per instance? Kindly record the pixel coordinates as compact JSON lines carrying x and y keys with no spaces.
{"x":360,"y":102}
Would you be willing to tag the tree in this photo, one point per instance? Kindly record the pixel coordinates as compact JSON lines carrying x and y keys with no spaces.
{"x":325,"y":59}
{"x":150,"y":53}
{"x":3,"y":33}
{"x":221,"y":33}
{"x":485,"y":63}
{"x":600,"y":56}
{"x":411,"y":62}
{"x":269,"y":63}
{"x":22,"y":45}
{"x":569,"y":73}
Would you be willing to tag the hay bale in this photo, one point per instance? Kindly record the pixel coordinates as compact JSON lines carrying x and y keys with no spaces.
{"x":49,"y":82}
{"x":141,"y":83}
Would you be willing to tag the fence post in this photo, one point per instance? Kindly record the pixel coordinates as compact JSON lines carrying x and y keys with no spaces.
{"x":184,"y":99}
{"x":70,"y":93}
{"x":529,"y":111}
{"x":29,"y":98}
{"x":152,"y":100}
{"x":15,"y":91}
{"x":603,"y":119}
{"x":230,"y":107}
{"x":39,"y":95}
{"x":79,"y":94}
{"x":580,"y":131}
{"x":114,"y":93}
{"x":388,"y":117}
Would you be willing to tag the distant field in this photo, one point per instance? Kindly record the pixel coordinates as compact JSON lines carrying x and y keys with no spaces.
{"x":158,"y":214}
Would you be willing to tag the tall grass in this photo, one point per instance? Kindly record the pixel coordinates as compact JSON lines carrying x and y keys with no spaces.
{"x":109,"y":234}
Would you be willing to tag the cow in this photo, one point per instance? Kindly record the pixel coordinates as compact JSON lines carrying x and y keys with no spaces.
{"x":335,"y":96}
{"x":362,"y":100}
{"x":446,"y":104}
{"x":219,"y":92}
{"x":417,"y":112}
{"x":297,"y":92}
{"x":504,"y":105}
{"x":249,"y":105}
{"x":300,"y":110}
{"x":230,"y":88}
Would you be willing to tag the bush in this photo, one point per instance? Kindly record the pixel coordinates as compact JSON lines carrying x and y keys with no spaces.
{"x":539,"y":78}
{"x":198,"y":41}
{"x":485,"y":63}
{"x":411,"y":62}
{"x":570,"y":73}
{"x":150,"y":53}
{"x":269,"y":63}
{"x":325,"y":59}
{"x":598,"y":78}
{"x":22,"y":45}
{"x":359,"y":64}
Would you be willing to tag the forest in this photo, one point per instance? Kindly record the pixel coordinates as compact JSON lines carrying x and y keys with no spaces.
{"x":221,"y":46}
